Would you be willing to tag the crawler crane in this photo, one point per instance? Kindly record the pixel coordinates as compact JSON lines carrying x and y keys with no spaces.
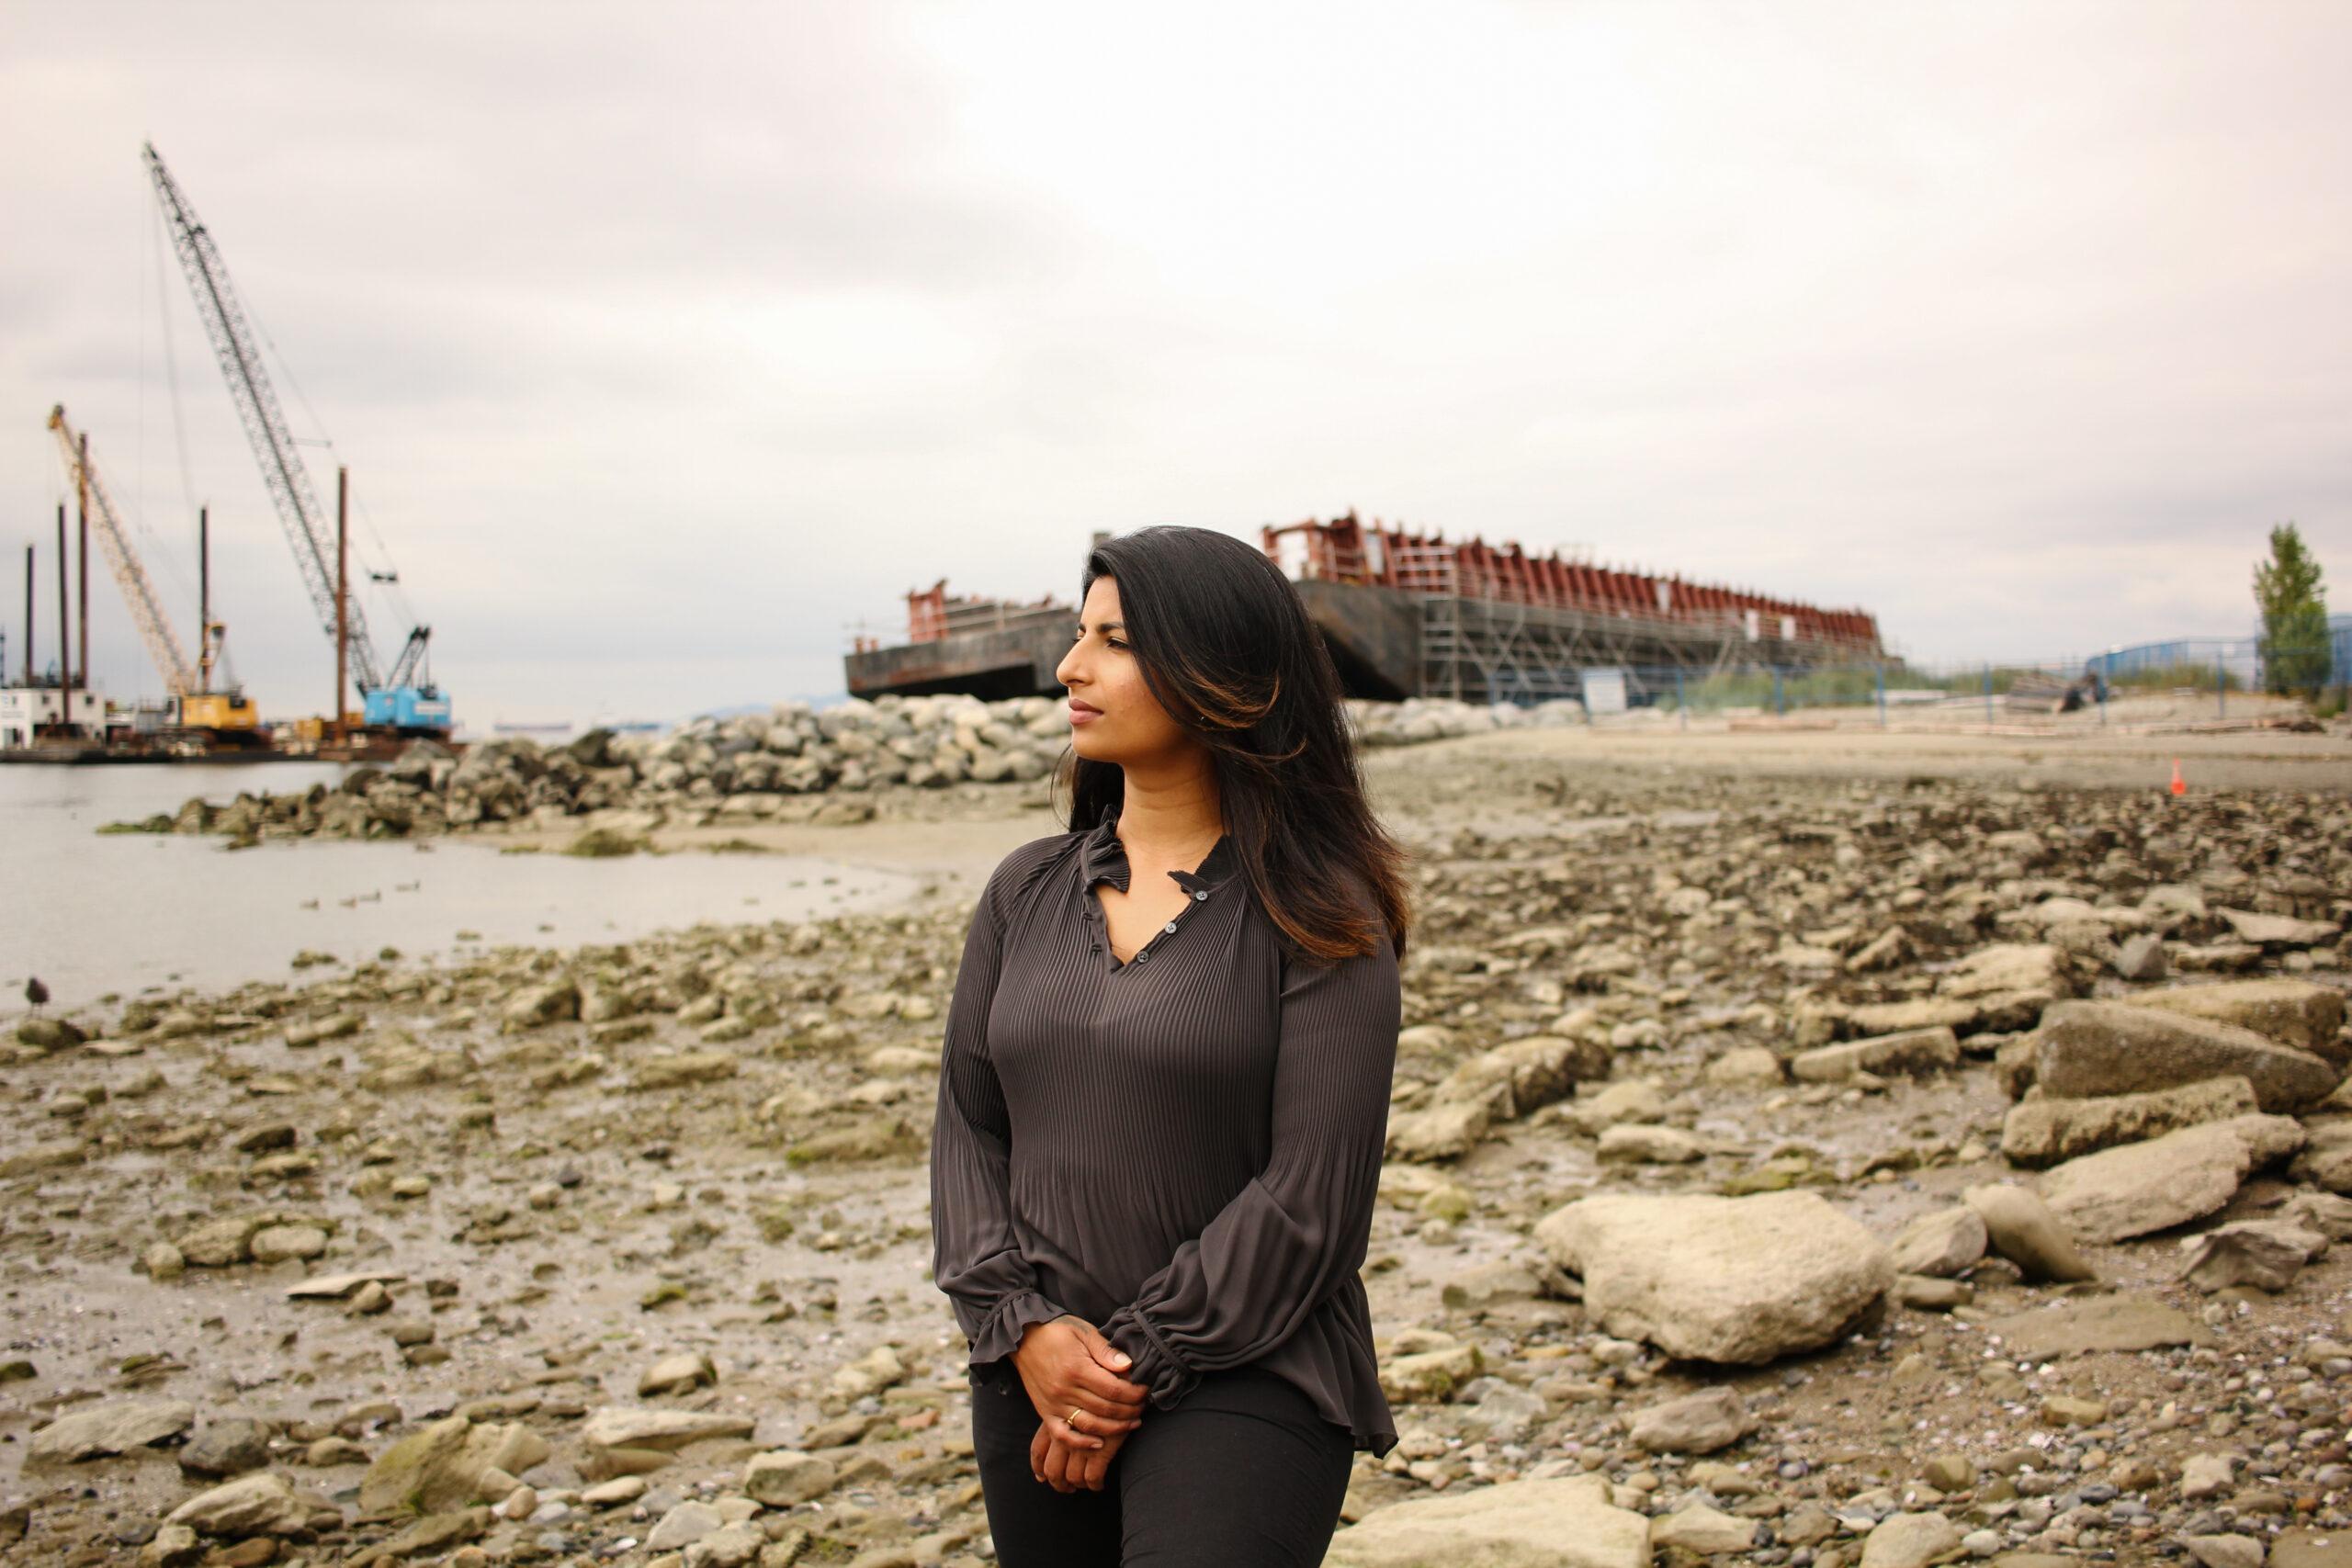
{"x":405,"y":701}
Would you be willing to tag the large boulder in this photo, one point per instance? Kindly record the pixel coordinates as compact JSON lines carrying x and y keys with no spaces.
{"x":280,"y":1244}
{"x":1440,"y":1132}
{"x":685,"y":1524}
{"x":1913,"y":1014}
{"x":1940,"y":1244}
{"x":1430,"y":1374}
{"x":229,"y":1445}
{"x":49,"y":1033}
{"x":2228,"y":1549}
{"x":1626,"y":1100}
{"x":54,"y":1153}
{"x":871,"y":1373}
{"x":1639,"y":1144}
{"x":442,"y":1466}
{"x":172,"y":1546}
{"x":2320,"y":1212}
{"x":1564,"y":1523}
{"x":534,"y":1006}
{"x":2278,"y":930}
{"x":2045,"y":1130}
{"x":2014,"y":1063}
{"x":678,"y":1374}
{"x":2293,"y":1011}
{"x":737,"y":1545}
{"x":261,"y":1504}
{"x":430,"y":1537}
{"x":2089,"y":1049}
{"x":109,"y":1430}
{"x":2267,"y":1254}
{"x":784,"y":1478}
{"x":2326,"y":1159}
{"x":627,"y":1426}
{"x":2004,"y":986}
{"x":1702,"y":1531}
{"x":216,"y":1244}
{"x":1494,"y":1284}
{"x":1910,"y":1540}
{"x":2020,"y":1227}
{"x":1916,"y":1053}
{"x":1696,"y":1424}
{"x":1524,"y":1075}
{"x":2008,"y":968}
{"x":2139,"y":1188}
{"x":1735,"y":1279}
{"x":1746,"y":1066}
{"x":687,"y":1068}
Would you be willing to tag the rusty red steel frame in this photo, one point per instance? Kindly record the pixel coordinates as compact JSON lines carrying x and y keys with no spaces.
{"x":1348,"y":550}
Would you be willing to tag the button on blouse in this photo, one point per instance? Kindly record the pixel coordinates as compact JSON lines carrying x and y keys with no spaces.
{"x":1184,"y":1152}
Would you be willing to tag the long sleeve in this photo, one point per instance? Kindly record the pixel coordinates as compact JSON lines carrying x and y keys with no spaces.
{"x":976,"y":1252}
{"x":1297,"y":1232}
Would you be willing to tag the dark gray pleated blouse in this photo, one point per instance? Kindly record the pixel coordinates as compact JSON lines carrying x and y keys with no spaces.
{"x":1183,"y":1149}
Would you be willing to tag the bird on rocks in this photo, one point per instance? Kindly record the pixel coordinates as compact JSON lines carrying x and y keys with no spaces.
{"x":34,"y":992}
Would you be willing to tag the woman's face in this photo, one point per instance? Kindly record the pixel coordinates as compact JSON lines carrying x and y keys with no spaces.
{"x":1113,"y":718}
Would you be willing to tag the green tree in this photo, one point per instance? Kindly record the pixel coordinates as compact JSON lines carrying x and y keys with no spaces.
{"x":2293,"y":601}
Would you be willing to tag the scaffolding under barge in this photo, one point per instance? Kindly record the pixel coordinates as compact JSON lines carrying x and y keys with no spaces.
{"x":1408,"y":615}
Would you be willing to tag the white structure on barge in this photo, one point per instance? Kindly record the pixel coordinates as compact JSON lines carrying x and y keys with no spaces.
{"x":27,"y":711}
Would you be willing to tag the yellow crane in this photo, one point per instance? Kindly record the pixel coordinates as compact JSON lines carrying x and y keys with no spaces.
{"x":227,"y":713}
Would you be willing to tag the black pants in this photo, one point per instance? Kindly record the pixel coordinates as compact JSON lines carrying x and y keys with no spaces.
{"x":1242,"y":1474}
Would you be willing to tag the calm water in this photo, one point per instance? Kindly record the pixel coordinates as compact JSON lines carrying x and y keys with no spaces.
{"x":91,"y":915}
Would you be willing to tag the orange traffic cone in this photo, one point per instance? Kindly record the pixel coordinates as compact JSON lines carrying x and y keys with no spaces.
{"x":2180,"y":785}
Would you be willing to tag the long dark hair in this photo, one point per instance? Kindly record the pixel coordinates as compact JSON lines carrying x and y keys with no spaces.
{"x":1227,"y":648}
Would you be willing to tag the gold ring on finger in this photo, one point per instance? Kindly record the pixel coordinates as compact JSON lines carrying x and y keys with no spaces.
{"x":1070,"y":1420}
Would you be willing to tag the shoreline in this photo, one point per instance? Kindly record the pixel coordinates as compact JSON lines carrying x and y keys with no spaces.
{"x":608,"y":1190}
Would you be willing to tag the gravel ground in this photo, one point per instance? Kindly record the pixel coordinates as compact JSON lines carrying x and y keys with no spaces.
{"x":687,"y":1177}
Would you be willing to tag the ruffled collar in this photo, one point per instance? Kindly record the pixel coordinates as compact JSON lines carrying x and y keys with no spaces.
{"x":1103,"y":859}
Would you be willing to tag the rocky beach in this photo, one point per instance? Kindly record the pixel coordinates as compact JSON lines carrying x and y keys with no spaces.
{"x":1836,"y":1152}
{"x":792,"y":764}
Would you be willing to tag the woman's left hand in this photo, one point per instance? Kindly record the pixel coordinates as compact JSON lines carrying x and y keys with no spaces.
{"x":1073,"y":1376}
{"x":1067,"y":1469}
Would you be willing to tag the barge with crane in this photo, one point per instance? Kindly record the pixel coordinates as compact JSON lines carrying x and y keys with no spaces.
{"x":57,"y":717}
{"x":1405,"y":614}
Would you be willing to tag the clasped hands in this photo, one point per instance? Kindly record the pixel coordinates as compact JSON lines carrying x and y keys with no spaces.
{"x":1085,"y":1405}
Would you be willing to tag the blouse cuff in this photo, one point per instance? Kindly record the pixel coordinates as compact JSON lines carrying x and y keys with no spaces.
{"x":1154,"y":1365}
{"x":1000,"y":1335}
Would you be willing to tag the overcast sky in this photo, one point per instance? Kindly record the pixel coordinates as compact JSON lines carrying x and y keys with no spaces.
{"x":667,"y":345}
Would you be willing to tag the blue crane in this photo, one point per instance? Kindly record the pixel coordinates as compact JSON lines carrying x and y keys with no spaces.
{"x":406,"y":699}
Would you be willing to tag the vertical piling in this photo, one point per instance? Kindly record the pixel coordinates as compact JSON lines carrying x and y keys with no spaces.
{"x":342,"y":586}
{"x":64,"y":614}
{"x":81,"y":497}
{"x":204,"y":597}
{"x":28,"y":617}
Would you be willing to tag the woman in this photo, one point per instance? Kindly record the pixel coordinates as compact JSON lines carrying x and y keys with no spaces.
{"x":1165,"y":1089}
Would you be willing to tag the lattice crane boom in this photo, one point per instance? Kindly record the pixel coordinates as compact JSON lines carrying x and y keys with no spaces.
{"x":138,"y":593}
{"x":409,"y":669}
{"x":307,"y":526}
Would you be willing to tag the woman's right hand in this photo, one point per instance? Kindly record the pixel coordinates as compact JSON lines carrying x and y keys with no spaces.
{"x":1066,"y":1469}
{"x":1072,"y":1375}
